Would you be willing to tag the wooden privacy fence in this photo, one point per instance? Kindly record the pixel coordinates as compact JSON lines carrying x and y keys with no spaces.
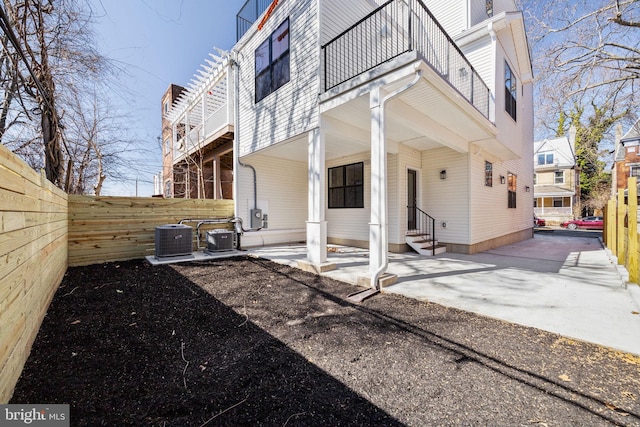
{"x":620,"y":232}
{"x":103,"y":229}
{"x":43,"y":230}
{"x":33,"y":260}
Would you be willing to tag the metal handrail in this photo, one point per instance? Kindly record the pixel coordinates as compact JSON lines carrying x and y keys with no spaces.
{"x":424,"y":225}
{"x":397,"y":27}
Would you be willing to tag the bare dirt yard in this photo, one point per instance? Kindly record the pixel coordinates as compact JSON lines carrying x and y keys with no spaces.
{"x":245,"y":341}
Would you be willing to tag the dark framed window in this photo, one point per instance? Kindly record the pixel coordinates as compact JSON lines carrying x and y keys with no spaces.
{"x":488,"y":174}
{"x":634,"y":171}
{"x":346,"y":186}
{"x":273,"y":68}
{"x":512,"y":184}
{"x":510,"y":91}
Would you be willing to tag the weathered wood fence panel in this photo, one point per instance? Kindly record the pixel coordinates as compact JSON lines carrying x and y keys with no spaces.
{"x":33,"y":260}
{"x":103,"y":229}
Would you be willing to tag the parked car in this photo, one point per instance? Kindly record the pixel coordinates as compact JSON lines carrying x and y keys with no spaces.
{"x":591,"y":222}
{"x":538,"y":222}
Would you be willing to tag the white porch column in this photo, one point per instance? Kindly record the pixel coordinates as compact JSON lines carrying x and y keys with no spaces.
{"x":377,"y":225}
{"x":316,"y":225}
{"x":217,"y":185}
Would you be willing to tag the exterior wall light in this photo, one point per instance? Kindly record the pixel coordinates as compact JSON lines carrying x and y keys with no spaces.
{"x":527,"y":188}
{"x":501,"y":179}
{"x":443,"y":174}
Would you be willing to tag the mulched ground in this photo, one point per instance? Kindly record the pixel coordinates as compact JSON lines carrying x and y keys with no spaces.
{"x":249,"y":342}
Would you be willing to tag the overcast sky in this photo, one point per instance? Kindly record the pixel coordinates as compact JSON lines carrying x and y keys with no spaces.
{"x":158,"y":42}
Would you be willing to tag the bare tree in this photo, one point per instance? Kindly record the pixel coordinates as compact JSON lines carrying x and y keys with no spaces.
{"x":52,"y":81}
{"x":586,"y":52}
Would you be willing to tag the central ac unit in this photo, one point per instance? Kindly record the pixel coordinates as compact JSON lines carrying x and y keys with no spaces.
{"x":219,"y":240}
{"x":173,"y":240}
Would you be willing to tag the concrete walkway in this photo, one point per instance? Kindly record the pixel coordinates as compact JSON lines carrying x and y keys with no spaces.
{"x":567,"y":285}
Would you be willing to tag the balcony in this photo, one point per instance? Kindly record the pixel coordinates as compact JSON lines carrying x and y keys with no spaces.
{"x":248,"y":14}
{"x":201,"y":133}
{"x":202,"y":117}
{"x":397,"y":27}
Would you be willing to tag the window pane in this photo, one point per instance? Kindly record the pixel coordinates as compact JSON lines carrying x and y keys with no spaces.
{"x":360,"y":197}
{"x":541,"y":159}
{"x":336,"y":197}
{"x":335,"y":177}
{"x":263,"y":85}
{"x":354,"y":174}
{"x":262,"y":57}
{"x":549,"y":158}
{"x":281,"y":72}
{"x":280,"y":40}
{"x":350,"y":199}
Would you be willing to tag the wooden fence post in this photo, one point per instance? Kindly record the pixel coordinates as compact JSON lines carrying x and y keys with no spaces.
{"x":621,"y":210}
{"x":632,"y":220}
{"x":611,"y":227}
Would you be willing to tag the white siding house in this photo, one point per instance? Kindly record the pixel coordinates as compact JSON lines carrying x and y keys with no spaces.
{"x":368,"y":122}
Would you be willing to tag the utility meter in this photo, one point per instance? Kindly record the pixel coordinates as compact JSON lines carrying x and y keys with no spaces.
{"x":256,"y":218}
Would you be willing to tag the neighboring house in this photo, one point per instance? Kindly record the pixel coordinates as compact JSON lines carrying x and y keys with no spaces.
{"x":361,"y":122}
{"x":626,"y":158}
{"x":556,"y":179}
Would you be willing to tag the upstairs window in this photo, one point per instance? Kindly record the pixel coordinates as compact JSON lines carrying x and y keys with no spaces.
{"x":488,"y":174}
{"x":346,"y":186}
{"x":512,"y":184}
{"x":559,"y":177}
{"x":634,"y":171}
{"x":510,"y":91}
{"x":545,"y":158}
{"x":272,"y":62}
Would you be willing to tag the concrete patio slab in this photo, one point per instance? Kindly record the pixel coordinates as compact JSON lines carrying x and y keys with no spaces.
{"x":562,"y":284}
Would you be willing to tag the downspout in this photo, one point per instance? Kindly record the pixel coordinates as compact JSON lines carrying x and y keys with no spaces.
{"x":236,"y":140}
{"x":383,"y":245}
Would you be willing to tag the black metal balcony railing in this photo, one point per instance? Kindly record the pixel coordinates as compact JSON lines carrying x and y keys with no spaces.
{"x":396,"y":27}
{"x":249,"y":14}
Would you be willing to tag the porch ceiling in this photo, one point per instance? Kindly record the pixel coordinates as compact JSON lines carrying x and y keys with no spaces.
{"x":431,"y":114}
{"x":337,"y":146}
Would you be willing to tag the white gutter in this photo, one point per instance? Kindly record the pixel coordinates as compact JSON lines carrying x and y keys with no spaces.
{"x":383,"y":245}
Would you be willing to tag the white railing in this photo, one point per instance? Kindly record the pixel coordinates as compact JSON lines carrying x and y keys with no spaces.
{"x":551,"y":211}
{"x":217,"y":120}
